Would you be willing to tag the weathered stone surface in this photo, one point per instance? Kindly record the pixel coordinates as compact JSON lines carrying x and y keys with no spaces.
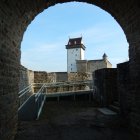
{"x":123,"y":88}
{"x":105,"y":81}
{"x":92,"y":65}
{"x":26,"y":77}
{"x":78,"y":76}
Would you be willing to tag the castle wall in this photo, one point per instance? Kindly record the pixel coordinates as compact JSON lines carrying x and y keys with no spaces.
{"x":109,"y":65}
{"x":78,"y":76}
{"x":93,"y":65}
{"x":123,"y":88}
{"x":40,"y":77}
{"x":105,"y":81}
{"x":61,"y":76}
{"x":26,"y":77}
{"x":23,"y":82}
{"x":81,"y":65}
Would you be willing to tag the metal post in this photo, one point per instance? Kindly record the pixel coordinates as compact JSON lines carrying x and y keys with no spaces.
{"x":90,"y":97}
{"x":74,"y":96}
{"x":58,"y":99}
{"x":73,"y":87}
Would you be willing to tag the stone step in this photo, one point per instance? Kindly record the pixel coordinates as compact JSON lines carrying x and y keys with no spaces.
{"x":116,"y":103}
{"x":106,"y":111}
{"x":115,"y":108}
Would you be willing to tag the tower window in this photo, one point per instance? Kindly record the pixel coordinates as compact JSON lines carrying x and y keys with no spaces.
{"x":74,"y":42}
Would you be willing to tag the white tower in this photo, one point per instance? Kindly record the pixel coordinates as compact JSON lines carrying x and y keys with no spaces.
{"x":75,"y":51}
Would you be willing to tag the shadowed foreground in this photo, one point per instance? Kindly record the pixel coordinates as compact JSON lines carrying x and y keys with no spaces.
{"x":69,"y":120}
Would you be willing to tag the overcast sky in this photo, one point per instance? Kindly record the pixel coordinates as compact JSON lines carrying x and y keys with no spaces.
{"x":43,"y":45}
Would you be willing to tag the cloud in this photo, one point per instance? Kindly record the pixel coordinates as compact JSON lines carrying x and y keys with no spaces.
{"x":44,"y":57}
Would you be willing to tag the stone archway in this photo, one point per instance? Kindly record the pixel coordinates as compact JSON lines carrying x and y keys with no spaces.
{"x":14,"y":19}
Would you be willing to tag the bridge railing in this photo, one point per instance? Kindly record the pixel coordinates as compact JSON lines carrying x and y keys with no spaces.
{"x":42,"y":87}
{"x":24,"y":95}
{"x":40,"y":97}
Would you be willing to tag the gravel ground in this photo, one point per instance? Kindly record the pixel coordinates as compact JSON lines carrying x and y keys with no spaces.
{"x":69,"y":120}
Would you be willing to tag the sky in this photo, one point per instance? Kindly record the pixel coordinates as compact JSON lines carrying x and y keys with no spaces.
{"x":43,"y":44}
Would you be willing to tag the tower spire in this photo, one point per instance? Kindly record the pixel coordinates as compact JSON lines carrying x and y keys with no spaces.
{"x":104,"y":56}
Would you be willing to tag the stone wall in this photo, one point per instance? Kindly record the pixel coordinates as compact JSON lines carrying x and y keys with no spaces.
{"x":51,"y":77}
{"x":61,"y":76}
{"x":123,"y":89}
{"x":78,"y":76}
{"x":95,"y":65}
{"x":44,"y":77}
{"x":23,"y":78}
{"x":92,"y":65}
{"x":81,"y":65}
{"x":10,"y":35}
{"x":40,"y":77}
{"x":105,"y":81}
{"x":26,"y":77}
{"x":30,"y":77}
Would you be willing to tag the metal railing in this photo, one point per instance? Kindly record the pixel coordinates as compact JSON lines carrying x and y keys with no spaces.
{"x":40,"y":97}
{"x":24,"y":95}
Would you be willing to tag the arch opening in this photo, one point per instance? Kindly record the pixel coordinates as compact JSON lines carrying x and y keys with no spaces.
{"x":104,"y":35}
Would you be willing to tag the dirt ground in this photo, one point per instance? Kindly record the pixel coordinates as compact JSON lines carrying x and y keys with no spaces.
{"x":69,"y":120}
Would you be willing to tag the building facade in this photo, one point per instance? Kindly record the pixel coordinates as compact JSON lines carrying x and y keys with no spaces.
{"x":92,"y":65}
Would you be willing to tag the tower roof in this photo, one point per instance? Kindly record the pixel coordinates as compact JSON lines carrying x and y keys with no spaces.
{"x":104,"y":55}
{"x":75,"y":43}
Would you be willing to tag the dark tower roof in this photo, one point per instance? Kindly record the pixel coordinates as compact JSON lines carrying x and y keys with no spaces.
{"x":104,"y":56}
{"x":75,"y":43}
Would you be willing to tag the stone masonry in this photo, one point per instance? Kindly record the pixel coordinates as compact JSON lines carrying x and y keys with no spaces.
{"x":16,"y":15}
{"x":90,"y":66}
{"x":126,"y":98}
{"x":26,"y":77}
{"x":105,"y":81}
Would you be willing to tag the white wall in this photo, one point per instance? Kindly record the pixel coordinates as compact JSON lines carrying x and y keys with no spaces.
{"x":82,"y":54}
{"x":73,"y":55}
